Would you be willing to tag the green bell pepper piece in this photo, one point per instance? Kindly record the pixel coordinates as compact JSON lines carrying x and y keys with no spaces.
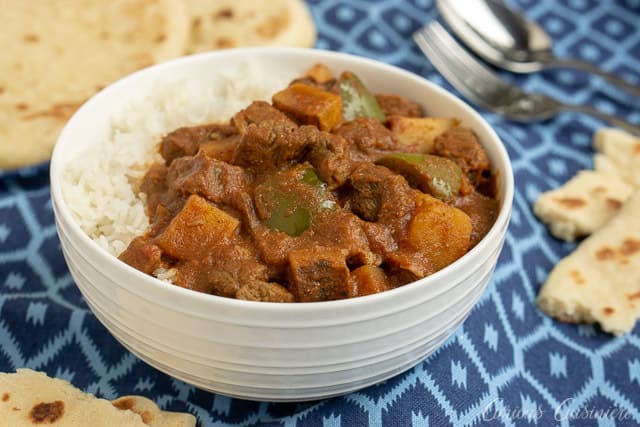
{"x":357,"y":100}
{"x":435,"y":175}
{"x":290,"y":213}
{"x":289,"y":217}
{"x":309,"y":176}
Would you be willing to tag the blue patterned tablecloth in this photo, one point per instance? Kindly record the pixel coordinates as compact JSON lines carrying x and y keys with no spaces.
{"x":507,"y":365}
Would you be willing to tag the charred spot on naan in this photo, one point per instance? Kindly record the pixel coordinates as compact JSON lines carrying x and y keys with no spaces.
{"x":224,"y":13}
{"x":632,"y":298}
{"x":128,"y":403}
{"x":629,"y":247}
{"x":577,"y":277}
{"x":614,"y":204}
{"x":61,"y":111}
{"x":47,"y":412}
{"x":605,"y":253}
{"x":571,"y":202}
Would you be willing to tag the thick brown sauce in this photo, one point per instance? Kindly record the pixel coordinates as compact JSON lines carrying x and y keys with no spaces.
{"x":290,"y":202}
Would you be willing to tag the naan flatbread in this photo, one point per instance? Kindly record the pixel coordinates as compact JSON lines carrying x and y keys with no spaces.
{"x":619,"y":152}
{"x":600,"y":281}
{"x":29,"y":398}
{"x":591,"y":198}
{"x":58,"y":53}
{"x":219,"y":24}
{"x":152,"y":415}
{"x":583,"y":204}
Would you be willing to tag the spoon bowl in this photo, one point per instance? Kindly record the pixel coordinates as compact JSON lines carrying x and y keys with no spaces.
{"x":504,"y":38}
{"x":498,"y":35}
{"x":484,"y":87}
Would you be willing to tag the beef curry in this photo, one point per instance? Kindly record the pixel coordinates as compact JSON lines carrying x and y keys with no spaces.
{"x":327,"y":192}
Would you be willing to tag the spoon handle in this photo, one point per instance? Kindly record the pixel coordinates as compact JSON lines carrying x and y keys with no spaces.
{"x":614,"y":121}
{"x":633,"y":89}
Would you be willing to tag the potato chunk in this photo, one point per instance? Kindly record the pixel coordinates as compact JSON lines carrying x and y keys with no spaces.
{"x":418,"y":133}
{"x":196,"y":229}
{"x":320,"y":73}
{"x":369,"y":279}
{"x":310,"y":105}
{"x":440,"y":232}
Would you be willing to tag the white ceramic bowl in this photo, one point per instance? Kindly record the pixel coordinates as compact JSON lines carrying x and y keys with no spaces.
{"x":270,"y":351}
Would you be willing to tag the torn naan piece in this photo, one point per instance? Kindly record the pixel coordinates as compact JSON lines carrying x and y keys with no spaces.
{"x":152,"y":415}
{"x":59,"y":53}
{"x":221,"y":24}
{"x":600,"y":281}
{"x":618,"y":152}
{"x":583,"y":204}
{"x":29,"y":398}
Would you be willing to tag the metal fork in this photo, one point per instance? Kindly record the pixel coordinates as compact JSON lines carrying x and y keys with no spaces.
{"x":484,"y":87}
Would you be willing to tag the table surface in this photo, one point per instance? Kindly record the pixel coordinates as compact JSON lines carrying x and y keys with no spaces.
{"x":508,"y":364}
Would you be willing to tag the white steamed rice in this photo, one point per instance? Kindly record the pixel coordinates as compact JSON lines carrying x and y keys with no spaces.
{"x":100,"y":186}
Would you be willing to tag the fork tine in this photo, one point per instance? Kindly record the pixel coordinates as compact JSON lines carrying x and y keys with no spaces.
{"x":483,"y":86}
{"x":472,"y":64}
{"x":450,"y":70}
{"x":464,"y":72}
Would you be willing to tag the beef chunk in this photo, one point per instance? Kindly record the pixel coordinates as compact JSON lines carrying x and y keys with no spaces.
{"x":258,"y":290}
{"x":160,"y":219}
{"x":194,"y":274}
{"x":380,"y":238}
{"x":394,"y":105}
{"x":461,"y":145}
{"x":142,"y":254}
{"x":377,"y":194}
{"x":257,"y":112}
{"x":365,"y":199}
{"x":328,"y":155}
{"x":210,"y":178}
{"x":218,"y":275}
{"x":344,"y":230}
{"x":483,"y":212}
{"x":273,"y":247}
{"x":154,"y":186}
{"x":405,"y":267}
{"x":318,"y":274}
{"x":221,"y":142}
{"x":185,"y":141}
{"x":366,"y":137}
{"x":270,"y":145}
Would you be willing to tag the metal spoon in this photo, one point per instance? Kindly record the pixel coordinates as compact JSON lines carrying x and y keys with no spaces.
{"x":507,"y":40}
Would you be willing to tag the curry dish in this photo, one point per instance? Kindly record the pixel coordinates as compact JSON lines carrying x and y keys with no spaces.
{"x":327,"y":192}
